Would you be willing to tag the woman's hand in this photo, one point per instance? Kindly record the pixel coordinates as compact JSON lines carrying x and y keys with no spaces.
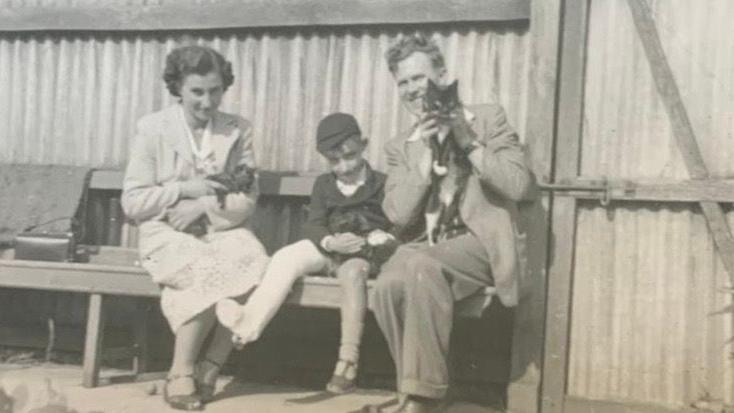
{"x":198,"y":187}
{"x":184,"y":213}
{"x":344,"y":243}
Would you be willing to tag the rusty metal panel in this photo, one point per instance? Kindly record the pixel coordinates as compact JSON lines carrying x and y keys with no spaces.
{"x":75,"y":98}
{"x":647,"y":276}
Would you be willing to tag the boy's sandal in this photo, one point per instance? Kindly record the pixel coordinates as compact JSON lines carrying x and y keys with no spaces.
{"x":188,"y":402}
{"x":340,"y":383}
{"x":206,"y":390}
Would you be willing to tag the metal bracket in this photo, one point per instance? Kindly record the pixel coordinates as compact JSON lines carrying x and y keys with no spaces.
{"x":602,"y":189}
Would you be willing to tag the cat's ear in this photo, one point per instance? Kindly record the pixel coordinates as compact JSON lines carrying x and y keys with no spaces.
{"x":453,"y":88}
{"x":431,"y":87}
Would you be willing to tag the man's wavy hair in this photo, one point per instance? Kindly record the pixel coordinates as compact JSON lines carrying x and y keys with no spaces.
{"x":199,"y":60}
{"x":407,"y":45}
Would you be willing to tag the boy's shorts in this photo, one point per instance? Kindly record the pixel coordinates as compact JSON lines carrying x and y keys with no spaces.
{"x":375,"y":256}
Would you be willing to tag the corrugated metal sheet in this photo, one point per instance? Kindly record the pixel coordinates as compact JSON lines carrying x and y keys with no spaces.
{"x":647,"y":277}
{"x":74,"y":99}
{"x":627,"y":132}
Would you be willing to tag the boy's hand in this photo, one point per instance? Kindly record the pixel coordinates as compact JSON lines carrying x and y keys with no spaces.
{"x":378,"y":237}
{"x":344,"y":243}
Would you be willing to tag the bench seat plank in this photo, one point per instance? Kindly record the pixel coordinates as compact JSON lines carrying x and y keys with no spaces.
{"x":310,"y":291}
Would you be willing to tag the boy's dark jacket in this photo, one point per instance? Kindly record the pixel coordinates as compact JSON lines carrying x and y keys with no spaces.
{"x":328,"y":204}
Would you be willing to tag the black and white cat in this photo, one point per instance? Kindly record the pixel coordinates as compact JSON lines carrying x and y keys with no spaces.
{"x":441,"y":102}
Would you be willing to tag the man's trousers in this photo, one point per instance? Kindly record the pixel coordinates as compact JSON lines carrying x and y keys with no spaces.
{"x":413,"y":302}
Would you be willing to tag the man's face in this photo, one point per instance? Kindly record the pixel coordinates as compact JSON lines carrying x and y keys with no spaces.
{"x":412,"y":76}
{"x":201,"y":95}
{"x":346,"y":162}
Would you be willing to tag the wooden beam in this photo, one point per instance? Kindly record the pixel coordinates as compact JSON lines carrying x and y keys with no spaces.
{"x":141,"y":336}
{"x":581,"y":405}
{"x":311,"y":291}
{"x":711,"y":190}
{"x":238,"y":14}
{"x":523,"y":393}
{"x":681,"y":124}
{"x":567,"y":145}
{"x":96,"y":279}
{"x":269,"y":183}
{"x":93,"y":341}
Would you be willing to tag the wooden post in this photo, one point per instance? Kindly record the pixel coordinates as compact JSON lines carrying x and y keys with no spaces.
{"x":523,"y":393}
{"x":93,"y":341}
{"x":567,"y":147}
{"x":140,"y":331}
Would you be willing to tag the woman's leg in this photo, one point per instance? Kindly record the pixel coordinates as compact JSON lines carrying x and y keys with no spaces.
{"x":247,"y":322}
{"x":352,"y":275}
{"x":187,"y":347}
{"x":211,"y":362}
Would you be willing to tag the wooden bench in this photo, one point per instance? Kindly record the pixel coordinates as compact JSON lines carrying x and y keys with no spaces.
{"x":113,"y":271}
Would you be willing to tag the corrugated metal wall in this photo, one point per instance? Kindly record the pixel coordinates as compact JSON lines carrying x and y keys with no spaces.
{"x":74,"y":99}
{"x":647,"y":277}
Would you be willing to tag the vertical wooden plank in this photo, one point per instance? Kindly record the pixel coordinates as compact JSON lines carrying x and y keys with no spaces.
{"x":545,"y":32}
{"x":567,"y":146}
{"x":523,"y":392}
{"x":93,"y":341}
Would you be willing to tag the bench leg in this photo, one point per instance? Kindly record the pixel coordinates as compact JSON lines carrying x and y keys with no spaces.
{"x":93,"y":341}
{"x":140,"y":332}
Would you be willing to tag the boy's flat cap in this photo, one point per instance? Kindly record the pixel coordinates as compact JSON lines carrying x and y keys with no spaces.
{"x":334,"y":129}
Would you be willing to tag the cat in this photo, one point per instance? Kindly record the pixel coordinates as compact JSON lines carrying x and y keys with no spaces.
{"x":441,"y":102}
{"x":375,"y":249}
{"x":241,"y":180}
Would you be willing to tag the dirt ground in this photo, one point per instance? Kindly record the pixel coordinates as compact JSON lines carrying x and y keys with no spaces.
{"x":56,"y":388}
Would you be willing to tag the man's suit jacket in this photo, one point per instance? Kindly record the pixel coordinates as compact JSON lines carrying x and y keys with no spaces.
{"x":161,"y":158}
{"x":488,"y":206}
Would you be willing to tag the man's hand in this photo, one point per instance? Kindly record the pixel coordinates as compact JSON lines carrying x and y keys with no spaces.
{"x":184,"y":213}
{"x":198,"y":187}
{"x":428,"y":125}
{"x":344,"y":243}
{"x":462,"y":131}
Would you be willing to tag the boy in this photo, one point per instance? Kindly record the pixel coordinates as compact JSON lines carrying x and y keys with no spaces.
{"x":345,"y":235}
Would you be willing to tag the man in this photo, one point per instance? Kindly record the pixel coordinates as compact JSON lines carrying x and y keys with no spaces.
{"x":476,"y":244}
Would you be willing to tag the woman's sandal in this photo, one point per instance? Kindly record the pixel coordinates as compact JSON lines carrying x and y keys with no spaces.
{"x":188,"y":402}
{"x":206,"y":390}
{"x":340,"y":383}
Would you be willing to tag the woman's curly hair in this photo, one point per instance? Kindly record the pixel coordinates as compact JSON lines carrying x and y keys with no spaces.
{"x":199,"y":60}
{"x":407,"y":45}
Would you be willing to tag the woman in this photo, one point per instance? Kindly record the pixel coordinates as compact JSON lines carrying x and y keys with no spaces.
{"x":191,"y":243}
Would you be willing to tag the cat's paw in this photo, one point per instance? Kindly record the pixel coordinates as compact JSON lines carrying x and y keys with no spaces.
{"x":440,"y":170}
